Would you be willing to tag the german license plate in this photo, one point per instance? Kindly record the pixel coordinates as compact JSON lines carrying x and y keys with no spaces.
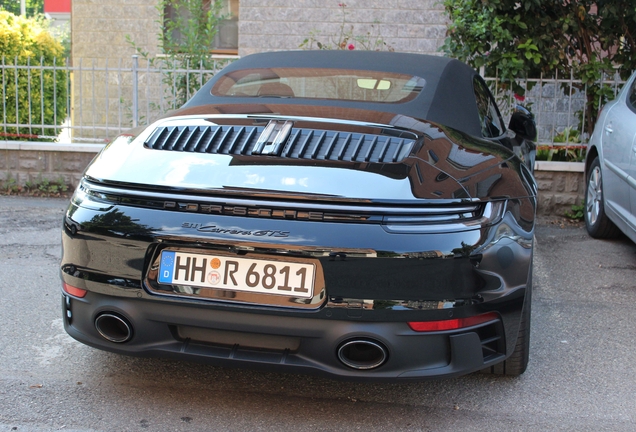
{"x":238,"y":274}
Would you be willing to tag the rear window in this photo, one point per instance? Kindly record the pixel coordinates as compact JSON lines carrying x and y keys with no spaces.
{"x":334,"y":84}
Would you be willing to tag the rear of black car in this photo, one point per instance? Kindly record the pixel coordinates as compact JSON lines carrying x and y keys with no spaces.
{"x":313,"y":236}
{"x":385,"y":287}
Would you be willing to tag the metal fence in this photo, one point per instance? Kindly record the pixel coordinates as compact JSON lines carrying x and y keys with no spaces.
{"x":101,"y":99}
{"x":558,"y":104}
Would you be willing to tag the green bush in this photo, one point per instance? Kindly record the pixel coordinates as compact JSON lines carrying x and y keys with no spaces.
{"x":40,"y":94}
{"x":568,"y":148}
{"x":585,"y":39}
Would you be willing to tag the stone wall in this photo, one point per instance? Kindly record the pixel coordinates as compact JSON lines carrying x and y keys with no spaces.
{"x":33,"y":162}
{"x":561,"y":185}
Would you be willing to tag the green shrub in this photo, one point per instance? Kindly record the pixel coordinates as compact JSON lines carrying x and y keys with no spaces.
{"x":577,"y":213}
{"x":40,"y":94}
{"x":570,"y":151}
{"x":561,"y":153}
{"x":42,"y":187}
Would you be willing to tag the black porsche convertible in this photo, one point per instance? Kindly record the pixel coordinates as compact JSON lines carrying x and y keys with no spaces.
{"x":364,"y":215}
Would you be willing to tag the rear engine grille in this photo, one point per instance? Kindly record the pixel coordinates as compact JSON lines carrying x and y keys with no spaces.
{"x":302,"y":143}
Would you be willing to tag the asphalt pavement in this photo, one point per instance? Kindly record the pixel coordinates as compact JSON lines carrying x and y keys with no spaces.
{"x":581,"y":377}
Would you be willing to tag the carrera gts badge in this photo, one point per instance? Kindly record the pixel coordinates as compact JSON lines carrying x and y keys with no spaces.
{"x":233,"y":231}
{"x":272,"y":138}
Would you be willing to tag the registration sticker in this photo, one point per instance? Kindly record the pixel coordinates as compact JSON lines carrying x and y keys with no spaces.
{"x":293,"y":279}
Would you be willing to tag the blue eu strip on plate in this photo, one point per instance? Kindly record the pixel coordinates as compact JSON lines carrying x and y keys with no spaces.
{"x":166,"y":267}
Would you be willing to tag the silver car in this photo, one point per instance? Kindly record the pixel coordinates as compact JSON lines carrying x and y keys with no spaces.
{"x":610,"y":201}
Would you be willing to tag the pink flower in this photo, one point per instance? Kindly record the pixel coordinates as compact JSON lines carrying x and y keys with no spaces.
{"x":520,"y":98}
{"x":351,"y":47}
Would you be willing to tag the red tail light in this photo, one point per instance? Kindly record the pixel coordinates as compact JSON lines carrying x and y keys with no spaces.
{"x":451,"y":324}
{"x":74,"y":291}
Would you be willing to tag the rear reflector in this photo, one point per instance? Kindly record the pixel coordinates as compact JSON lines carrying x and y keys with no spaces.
{"x":452,"y":324}
{"x":74,"y":291}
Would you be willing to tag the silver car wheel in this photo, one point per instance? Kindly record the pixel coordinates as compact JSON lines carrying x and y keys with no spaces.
{"x":594,"y":195}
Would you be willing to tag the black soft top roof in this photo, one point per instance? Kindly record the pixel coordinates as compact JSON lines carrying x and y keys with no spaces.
{"x":447,"y":98}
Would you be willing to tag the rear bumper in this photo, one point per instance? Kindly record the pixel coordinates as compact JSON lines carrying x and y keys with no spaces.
{"x":375,"y":281}
{"x":291,"y":343}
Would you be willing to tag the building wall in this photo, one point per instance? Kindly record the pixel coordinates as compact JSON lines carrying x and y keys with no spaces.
{"x":417,"y":26}
{"x":57,"y":6}
{"x":100,"y":28}
{"x":102,"y":90}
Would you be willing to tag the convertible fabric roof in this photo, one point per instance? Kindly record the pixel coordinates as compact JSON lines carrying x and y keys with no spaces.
{"x":447,"y":98}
